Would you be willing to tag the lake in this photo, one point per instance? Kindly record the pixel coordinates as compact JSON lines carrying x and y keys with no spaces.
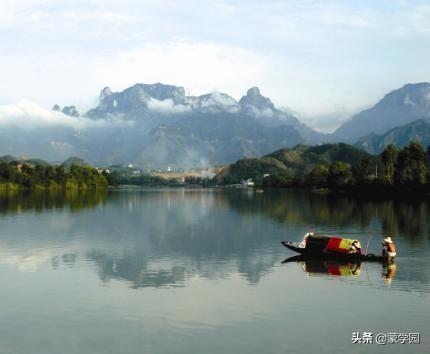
{"x":200,"y":271}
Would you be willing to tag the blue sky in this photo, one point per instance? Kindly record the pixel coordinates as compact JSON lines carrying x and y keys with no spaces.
{"x":322,"y":59}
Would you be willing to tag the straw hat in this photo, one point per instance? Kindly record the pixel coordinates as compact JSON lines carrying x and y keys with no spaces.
{"x":388,"y":240}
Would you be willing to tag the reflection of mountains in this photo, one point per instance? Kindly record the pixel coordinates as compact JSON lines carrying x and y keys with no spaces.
{"x":175,"y":235}
{"x":165,"y":238}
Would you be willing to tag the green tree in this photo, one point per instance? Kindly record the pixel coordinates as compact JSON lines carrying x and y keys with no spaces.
{"x":319,"y":176}
{"x":339,"y":175}
{"x":362,"y":171}
{"x":389,"y":158}
{"x":410,"y":169}
{"x":60,"y":174}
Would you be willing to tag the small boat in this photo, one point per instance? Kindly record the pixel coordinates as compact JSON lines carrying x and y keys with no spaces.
{"x":334,"y":248}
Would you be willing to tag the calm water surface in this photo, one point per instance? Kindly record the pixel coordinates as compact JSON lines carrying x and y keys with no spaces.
{"x":200,"y":271}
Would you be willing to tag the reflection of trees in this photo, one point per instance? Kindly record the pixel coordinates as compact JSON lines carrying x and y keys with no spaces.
{"x":16,"y":201}
{"x":175,"y":234}
{"x":407,"y":218}
{"x":162,"y":238}
{"x":301,"y":207}
{"x":411,"y":219}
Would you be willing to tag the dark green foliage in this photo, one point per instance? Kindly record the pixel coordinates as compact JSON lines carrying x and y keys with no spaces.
{"x":254,"y":169}
{"x":278,"y":181}
{"x":410,"y":168}
{"x":144,"y":179}
{"x":363,"y":171}
{"x":49,"y":177}
{"x":319,"y":176}
{"x":341,"y":168}
{"x":303,"y":159}
{"x":297,"y":163}
{"x":339,"y":175}
{"x":198,"y":181}
{"x":389,"y":158}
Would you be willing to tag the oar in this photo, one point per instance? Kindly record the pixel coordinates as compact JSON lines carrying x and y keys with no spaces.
{"x":368,"y":241}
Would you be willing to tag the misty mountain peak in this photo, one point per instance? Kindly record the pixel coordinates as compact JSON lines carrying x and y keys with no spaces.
{"x":253,"y":91}
{"x":136,"y":98}
{"x":105,"y":93}
{"x":408,"y":95}
{"x":215,"y":102}
{"x":254,"y":98}
{"x":70,"y":111}
{"x":156,"y":91}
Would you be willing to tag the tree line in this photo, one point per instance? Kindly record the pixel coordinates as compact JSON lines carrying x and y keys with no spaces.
{"x":17,"y":175}
{"x":406,"y":169}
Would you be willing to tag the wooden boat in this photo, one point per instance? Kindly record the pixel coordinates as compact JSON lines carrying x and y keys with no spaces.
{"x":319,"y":246}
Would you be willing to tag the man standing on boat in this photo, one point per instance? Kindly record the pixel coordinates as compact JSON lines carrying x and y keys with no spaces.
{"x":388,"y":249}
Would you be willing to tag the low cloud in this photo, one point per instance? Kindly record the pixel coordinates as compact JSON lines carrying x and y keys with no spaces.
{"x":261,"y":113}
{"x":166,"y":106}
{"x":29,"y":115}
{"x":216,"y":102}
{"x":330,"y":121}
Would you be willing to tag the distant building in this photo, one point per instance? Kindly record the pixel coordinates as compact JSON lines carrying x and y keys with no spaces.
{"x":248,"y":183}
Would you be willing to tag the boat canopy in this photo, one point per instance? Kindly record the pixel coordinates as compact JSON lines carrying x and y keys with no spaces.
{"x":312,"y":237}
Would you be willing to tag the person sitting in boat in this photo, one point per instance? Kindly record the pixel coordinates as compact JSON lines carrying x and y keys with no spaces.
{"x":388,"y":249}
{"x":355,"y":247}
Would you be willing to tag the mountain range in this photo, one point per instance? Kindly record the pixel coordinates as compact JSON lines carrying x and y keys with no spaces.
{"x":399,"y":107}
{"x":156,"y":126}
{"x":418,"y":130}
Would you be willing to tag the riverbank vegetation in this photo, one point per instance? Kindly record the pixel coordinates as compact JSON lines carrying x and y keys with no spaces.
{"x":346,"y":170}
{"x":15,"y":175}
{"x":143,"y":179}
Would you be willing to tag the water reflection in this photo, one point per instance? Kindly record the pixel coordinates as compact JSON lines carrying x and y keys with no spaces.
{"x":115,"y":273}
{"x":18,"y":201}
{"x":389,"y":271}
{"x":320,"y":267}
{"x":408,"y":218}
{"x":316,"y":266}
{"x":164,"y":238}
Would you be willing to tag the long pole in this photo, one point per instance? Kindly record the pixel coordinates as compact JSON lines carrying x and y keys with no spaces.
{"x":368,"y":241}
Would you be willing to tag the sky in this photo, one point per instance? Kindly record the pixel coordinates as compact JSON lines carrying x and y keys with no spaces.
{"x":324,"y":60}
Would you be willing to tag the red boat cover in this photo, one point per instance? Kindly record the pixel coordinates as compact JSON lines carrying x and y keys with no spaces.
{"x":336,"y":244}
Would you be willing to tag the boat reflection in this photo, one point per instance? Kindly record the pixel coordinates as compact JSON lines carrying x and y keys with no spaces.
{"x":317,"y":266}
